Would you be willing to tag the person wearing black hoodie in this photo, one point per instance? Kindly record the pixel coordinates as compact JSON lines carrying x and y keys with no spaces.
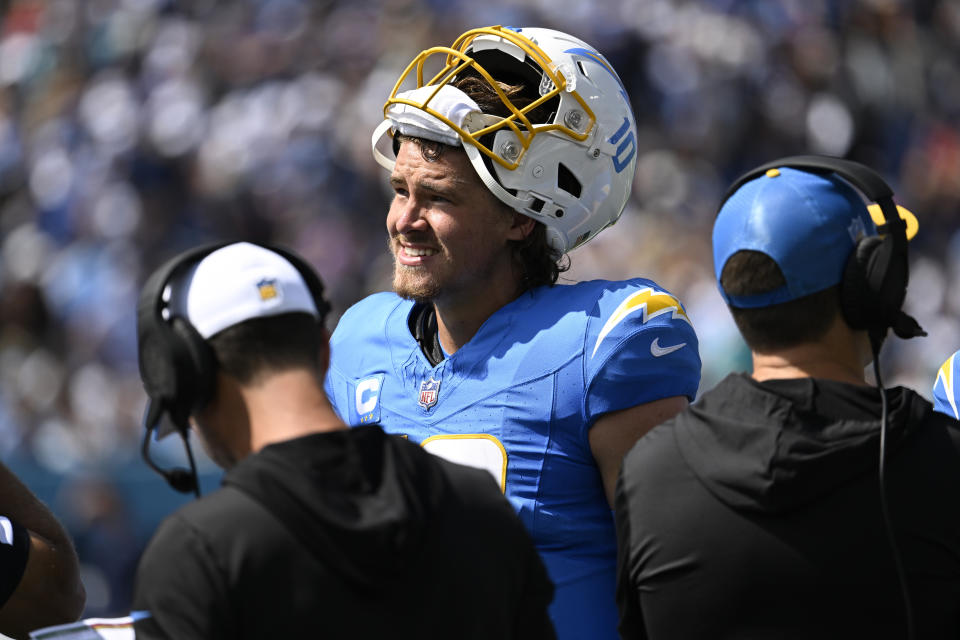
{"x":757,"y":512}
{"x":318,"y":530}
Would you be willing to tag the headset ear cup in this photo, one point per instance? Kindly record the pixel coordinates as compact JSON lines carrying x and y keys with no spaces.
{"x":196,"y":369}
{"x":890,"y":267}
{"x":859,"y":302}
{"x":874,"y":284}
{"x":157,"y":370}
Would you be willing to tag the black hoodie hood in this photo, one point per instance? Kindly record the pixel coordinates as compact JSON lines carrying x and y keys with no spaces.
{"x":355,"y":498}
{"x":777,"y":445}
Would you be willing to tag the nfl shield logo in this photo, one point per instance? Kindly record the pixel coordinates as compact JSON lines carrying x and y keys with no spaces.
{"x":429,"y":389}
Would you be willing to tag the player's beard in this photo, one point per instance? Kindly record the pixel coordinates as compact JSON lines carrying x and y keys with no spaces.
{"x":409,"y":284}
{"x":460,"y":273}
{"x":414,"y":283}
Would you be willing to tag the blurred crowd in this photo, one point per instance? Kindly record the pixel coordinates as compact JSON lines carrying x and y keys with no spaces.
{"x":132,"y":129}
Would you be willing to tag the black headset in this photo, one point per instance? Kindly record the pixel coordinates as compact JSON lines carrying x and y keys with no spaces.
{"x":872,"y":290}
{"x":874,"y":282}
{"x":178,"y":367}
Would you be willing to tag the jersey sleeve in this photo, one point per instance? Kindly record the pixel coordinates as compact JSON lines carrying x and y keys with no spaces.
{"x":944,"y":392}
{"x":179,"y":589}
{"x":359,"y":344}
{"x":342,"y":342}
{"x":14,"y":550}
{"x":640,"y":347}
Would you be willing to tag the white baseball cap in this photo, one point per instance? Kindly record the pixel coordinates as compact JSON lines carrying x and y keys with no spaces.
{"x":236,"y":283}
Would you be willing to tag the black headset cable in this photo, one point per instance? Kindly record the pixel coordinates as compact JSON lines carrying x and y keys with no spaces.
{"x":875,"y":341}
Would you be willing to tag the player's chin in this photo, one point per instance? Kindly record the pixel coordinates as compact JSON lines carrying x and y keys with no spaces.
{"x":414,"y":284}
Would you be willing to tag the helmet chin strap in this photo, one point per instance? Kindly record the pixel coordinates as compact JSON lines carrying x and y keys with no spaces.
{"x":476,"y":159}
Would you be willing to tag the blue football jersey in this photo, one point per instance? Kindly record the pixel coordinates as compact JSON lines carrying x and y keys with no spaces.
{"x":519,"y":399}
{"x":944,"y":393}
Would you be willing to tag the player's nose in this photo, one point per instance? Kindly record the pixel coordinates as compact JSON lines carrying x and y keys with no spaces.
{"x":409,"y":216}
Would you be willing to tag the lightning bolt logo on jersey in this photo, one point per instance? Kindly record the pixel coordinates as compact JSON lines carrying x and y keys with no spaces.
{"x":519,"y":399}
{"x":944,"y":391}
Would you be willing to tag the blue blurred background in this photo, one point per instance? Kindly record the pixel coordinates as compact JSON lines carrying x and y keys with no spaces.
{"x":132,"y":129}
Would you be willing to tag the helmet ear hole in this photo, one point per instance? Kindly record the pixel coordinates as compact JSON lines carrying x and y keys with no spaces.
{"x":567,"y":181}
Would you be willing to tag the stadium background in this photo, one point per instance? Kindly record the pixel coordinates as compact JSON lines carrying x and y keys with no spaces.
{"x":131,"y":129}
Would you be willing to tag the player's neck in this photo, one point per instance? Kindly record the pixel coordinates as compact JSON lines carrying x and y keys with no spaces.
{"x":458,"y":320}
{"x":288,"y":405}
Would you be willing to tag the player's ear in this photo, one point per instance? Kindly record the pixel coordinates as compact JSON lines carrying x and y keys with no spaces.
{"x":521,"y":227}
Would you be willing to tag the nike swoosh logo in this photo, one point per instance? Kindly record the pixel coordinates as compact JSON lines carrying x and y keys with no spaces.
{"x":658,"y":351}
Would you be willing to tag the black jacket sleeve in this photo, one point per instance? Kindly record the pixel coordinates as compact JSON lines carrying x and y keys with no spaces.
{"x":631,"y":615}
{"x":14,"y":550}
{"x":181,"y":586}
{"x":533,"y":619}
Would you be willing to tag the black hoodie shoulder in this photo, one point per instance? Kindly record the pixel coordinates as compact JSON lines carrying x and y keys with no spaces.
{"x":358,"y":531}
{"x":758,"y":508}
{"x":777,"y":445}
{"x":362,"y":501}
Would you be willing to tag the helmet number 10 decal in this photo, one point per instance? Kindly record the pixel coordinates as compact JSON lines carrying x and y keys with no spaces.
{"x":479,"y":450}
{"x":627,"y":147}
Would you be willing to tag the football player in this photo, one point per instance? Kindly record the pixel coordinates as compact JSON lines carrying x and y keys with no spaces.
{"x":509,"y":148}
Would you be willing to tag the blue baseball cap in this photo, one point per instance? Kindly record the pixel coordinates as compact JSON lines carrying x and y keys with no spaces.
{"x":808,"y":223}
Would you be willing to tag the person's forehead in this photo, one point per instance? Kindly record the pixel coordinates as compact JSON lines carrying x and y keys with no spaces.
{"x":452,"y":165}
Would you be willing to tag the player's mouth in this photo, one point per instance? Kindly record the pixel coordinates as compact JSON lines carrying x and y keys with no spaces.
{"x":413,"y":255}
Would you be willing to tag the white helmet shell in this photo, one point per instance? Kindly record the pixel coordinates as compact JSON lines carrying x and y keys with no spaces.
{"x":572,"y":173}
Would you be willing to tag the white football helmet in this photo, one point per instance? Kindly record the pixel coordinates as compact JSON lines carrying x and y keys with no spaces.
{"x":574,"y":171}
